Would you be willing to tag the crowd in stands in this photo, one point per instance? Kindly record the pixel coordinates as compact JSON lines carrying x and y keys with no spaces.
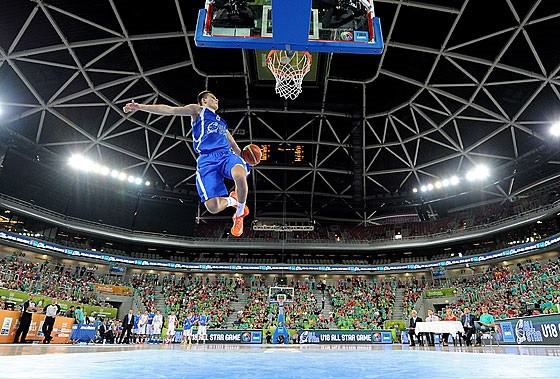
{"x":531,"y":288}
{"x":201,"y":296}
{"x":361,"y":305}
{"x":53,"y":280}
{"x":303,"y":313}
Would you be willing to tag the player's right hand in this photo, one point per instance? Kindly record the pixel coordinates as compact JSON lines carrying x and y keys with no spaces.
{"x":132,"y":106}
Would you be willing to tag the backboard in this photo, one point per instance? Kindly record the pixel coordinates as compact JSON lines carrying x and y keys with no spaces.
{"x":337,"y":26}
{"x":273,"y":293}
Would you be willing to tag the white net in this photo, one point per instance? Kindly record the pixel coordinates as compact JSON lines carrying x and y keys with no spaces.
{"x":289,"y":69}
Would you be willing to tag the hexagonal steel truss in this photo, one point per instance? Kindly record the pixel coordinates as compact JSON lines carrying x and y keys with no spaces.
{"x":435,"y":118}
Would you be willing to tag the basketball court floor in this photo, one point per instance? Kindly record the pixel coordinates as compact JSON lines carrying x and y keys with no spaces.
{"x":235,"y":361}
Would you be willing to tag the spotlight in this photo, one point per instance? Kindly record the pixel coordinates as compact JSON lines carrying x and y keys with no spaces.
{"x":137,"y":181}
{"x":415,"y":190}
{"x":454,"y":180}
{"x":477,"y":173}
{"x":445,"y":183}
{"x":131,"y":179}
{"x":104,"y":170}
{"x":114,"y":174}
{"x":122,"y":176}
{"x":430,"y":187}
{"x":423,"y":188}
{"x":555,"y":129}
{"x":438,"y":184}
{"x":148,"y":183}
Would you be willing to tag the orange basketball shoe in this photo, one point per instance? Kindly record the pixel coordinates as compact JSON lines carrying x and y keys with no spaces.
{"x":245,"y":210}
{"x":237,"y":228}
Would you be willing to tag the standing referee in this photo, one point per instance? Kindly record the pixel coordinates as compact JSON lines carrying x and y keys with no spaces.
{"x":25,"y":320}
{"x":51,"y":311}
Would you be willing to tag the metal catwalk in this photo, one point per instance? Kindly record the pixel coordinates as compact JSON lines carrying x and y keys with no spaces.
{"x":234,"y":361}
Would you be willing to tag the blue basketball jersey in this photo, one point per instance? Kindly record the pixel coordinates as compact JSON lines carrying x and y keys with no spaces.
{"x":203,"y":320}
{"x":209,"y":132}
{"x":150,"y":318}
{"x":188,"y":324}
{"x":136,"y":319}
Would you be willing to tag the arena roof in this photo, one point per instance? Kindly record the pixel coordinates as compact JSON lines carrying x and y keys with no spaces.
{"x":460,"y":83}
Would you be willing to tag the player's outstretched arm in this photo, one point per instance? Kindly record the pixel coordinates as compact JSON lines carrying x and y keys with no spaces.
{"x":162,"y":109}
{"x":233,"y":144}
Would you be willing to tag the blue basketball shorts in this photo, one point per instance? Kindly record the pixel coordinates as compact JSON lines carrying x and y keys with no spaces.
{"x":211,"y":170}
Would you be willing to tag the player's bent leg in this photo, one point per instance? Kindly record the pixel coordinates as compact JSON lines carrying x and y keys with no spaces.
{"x":239,"y":175}
{"x":216,"y":204}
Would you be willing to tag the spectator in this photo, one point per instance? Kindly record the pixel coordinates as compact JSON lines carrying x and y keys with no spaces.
{"x":485,"y":324}
{"x":79,"y":315}
{"x":70,"y":312}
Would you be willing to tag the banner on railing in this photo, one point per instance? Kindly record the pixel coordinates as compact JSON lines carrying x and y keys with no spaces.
{"x":9,"y":321}
{"x":514,"y":251}
{"x":443,"y":292}
{"x":113,"y":290}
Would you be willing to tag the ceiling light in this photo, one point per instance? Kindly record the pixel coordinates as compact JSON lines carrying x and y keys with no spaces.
{"x":454,"y":180}
{"x":148,"y":183}
{"x":104,"y":170}
{"x":430,"y":187}
{"x":445,"y":183}
{"x":114,"y":174}
{"x":423,"y":188}
{"x":122,"y":176}
{"x":477,"y":173}
{"x":438,"y":184}
{"x":415,"y":190}
{"x":131,"y":179}
{"x":555,"y":129}
{"x":138,"y":181}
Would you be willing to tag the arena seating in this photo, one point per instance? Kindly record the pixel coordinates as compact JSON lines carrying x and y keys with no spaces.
{"x":359,"y":305}
{"x":200,"y":296}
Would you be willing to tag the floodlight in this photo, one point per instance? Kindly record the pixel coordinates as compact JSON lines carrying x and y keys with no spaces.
{"x":477,"y":173}
{"x":122,"y":176}
{"x":430,"y":187}
{"x":137,"y":181}
{"x":104,"y":170}
{"x":454,"y":180}
{"x":555,"y":129}
{"x":445,"y":183}
{"x":131,"y":179}
{"x":148,"y":183}
{"x":423,"y":188}
{"x":415,"y":190}
{"x":438,"y":184}
{"x":114,"y":174}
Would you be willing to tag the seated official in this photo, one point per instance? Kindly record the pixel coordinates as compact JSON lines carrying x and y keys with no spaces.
{"x":106,"y":333}
{"x":431,"y":318}
{"x":412,"y":328}
{"x":468,"y":322}
{"x":485,"y":324}
{"x":449,"y":316}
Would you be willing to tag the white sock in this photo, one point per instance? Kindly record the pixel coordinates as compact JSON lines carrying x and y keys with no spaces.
{"x":231,"y":202}
{"x":240,"y":209}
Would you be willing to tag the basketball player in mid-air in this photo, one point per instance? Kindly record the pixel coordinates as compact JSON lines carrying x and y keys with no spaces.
{"x":219,"y":155}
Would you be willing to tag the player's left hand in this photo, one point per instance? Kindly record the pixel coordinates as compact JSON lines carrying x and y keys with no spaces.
{"x":132,"y":106}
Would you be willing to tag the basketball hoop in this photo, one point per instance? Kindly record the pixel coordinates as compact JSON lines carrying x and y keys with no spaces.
{"x":288,"y":68}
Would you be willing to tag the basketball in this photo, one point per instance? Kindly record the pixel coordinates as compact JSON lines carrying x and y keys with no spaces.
{"x":252,"y":154}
